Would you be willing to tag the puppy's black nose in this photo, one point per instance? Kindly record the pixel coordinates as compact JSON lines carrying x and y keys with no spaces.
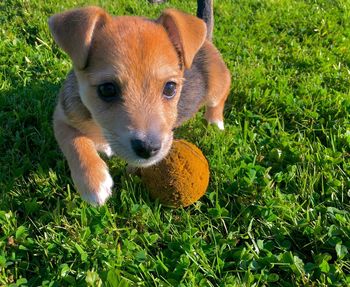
{"x":145,"y":149}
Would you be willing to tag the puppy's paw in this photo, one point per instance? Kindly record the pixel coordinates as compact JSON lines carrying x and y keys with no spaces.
{"x":100,"y":195}
{"x":94,"y":185}
{"x":219,"y":124}
{"x":214,"y":116}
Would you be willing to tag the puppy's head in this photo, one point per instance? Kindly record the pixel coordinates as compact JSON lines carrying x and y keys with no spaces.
{"x":130,"y":74}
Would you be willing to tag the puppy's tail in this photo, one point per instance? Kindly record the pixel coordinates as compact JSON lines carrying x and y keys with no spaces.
{"x":205,"y":12}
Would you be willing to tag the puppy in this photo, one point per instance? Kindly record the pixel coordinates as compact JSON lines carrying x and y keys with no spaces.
{"x":133,"y":81}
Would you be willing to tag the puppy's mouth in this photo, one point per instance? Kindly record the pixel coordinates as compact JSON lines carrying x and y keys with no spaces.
{"x":138,"y":154}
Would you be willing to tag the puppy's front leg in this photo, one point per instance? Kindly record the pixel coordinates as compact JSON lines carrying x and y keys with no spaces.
{"x":89,"y":172}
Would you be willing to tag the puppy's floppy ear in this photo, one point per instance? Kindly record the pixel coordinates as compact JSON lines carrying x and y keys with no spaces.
{"x":73,"y":31}
{"x":186,"y":32}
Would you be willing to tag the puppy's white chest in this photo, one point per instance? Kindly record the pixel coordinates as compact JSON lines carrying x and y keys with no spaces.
{"x":105,"y":148}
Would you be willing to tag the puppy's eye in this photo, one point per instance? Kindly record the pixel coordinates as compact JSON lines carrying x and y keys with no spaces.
{"x":109,"y":92}
{"x":169,"y":90}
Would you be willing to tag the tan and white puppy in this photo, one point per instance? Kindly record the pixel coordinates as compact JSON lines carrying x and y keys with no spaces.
{"x":134,"y":80}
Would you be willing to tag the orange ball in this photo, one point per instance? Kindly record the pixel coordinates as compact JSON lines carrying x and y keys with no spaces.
{"x":181,"y":178}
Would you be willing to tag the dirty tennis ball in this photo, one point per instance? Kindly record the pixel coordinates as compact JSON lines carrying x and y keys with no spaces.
{"x":181,"y":178}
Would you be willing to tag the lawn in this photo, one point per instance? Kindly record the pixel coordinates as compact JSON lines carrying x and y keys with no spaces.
{"x":277,"y":210}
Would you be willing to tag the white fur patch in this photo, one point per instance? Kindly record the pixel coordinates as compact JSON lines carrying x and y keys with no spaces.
{"x":105,"y":148}
{"x":219,"y":124}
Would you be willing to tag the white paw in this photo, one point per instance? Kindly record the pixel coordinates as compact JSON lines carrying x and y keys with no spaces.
{"x":219,"y":124}
{"x":96,"y":193}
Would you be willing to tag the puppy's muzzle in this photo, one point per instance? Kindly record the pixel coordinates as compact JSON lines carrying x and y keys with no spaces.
{"x":146,"y":148}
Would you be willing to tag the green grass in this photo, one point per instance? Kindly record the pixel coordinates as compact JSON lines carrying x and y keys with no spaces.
{"x":277,"y":209}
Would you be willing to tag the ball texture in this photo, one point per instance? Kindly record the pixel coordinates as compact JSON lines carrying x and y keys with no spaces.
{"x":181,"y":178}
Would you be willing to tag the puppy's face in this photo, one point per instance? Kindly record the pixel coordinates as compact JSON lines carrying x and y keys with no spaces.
{"x":131,"y":86}
{"x":129,"y":71}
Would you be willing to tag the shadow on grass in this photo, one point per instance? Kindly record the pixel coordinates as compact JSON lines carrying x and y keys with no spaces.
{"x":27,"y":143}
